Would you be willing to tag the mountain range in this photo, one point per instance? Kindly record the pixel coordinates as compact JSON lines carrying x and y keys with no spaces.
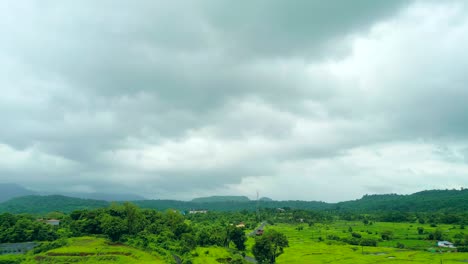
{"x":425,"y":201}
{"x":10,"y":190}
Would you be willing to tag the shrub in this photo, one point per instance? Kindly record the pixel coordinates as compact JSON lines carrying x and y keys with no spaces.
{"x":333,"y":237}
{"x":369,"y":242}
{"x":46,"y":246}
{"x":462,"y":249}
{"x":420,"y":230}
{"x":11,"y":259}
{"x":387,"y":235}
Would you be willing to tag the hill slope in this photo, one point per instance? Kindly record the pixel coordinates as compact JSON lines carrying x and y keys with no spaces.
{"x":93,"y":250}
{"x":36,"y":204}
{"x":8,"y":191}
{"x":426,"y":201}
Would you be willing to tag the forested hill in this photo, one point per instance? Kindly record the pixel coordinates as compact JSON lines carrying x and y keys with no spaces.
{"x":230,"y":205}
{"x":426,"y":201}
{"x":36,"y":204}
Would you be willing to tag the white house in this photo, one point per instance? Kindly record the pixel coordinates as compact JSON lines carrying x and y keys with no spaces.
{"x":198,"y":211}
{"x":53,"y":222}
{"x":446,"y":244}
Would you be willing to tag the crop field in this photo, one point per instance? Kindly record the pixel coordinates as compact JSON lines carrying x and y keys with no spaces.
{"x":213,"y":255}
{"x":313,"y":244}
{"x":93,"y":250}
{"x":318,"y":243}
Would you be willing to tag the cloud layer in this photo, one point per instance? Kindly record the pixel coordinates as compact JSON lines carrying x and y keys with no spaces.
{"x":312,"y":100}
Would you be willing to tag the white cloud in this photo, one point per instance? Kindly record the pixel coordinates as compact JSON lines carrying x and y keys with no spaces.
{"x":136,"y":99}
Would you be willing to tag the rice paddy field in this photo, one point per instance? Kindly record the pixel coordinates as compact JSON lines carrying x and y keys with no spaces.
{"x":319,"y":243}
{"x":310,"y":244}
{"x":213,"y":255}
{"x":93,"y":250}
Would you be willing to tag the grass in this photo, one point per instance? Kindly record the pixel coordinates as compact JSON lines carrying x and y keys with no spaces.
{"x":93,"y":250}
{"x":210,"y":255}
{"x":305,"y":246}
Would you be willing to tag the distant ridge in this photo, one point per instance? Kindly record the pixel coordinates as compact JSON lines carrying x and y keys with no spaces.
{"x":215,"y":199}
{"x":425,"y":201}
{"x":110,"y":197}
{"x":10,"y":190}
{"x":37,"y":204}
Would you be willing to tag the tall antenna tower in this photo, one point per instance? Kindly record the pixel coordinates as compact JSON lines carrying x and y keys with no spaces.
{"x":258,"y":211}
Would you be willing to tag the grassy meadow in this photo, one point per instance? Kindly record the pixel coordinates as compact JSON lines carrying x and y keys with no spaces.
{"x":318,"y":243}
{"x":93,"y":250}
{"x":311,"y":245}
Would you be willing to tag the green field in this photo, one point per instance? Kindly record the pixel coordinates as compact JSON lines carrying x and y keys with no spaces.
{"x":93,"y":250}
{"x":213,"y":255}
{"x":318,"y":243}
{"x":305,"y":247}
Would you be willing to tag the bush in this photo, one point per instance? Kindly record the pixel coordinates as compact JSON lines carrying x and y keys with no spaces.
{"x":11,"y":259}
{"x":356,"y":235}
{"x":420,"y":230}
{"x":462,"y":249}
{"x":400,"y":245}
{"x":46,"y":246}
{"x":333,"y":237}
{"x":387,"y":235}
{"x":369,"y":242}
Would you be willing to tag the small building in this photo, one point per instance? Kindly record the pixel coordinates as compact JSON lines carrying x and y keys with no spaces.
{"x":259,"y":232}
{"x":445,"y":244}
{"x":241,"y":225}
{"x":198,"y":211}
{"x":53,"y":222}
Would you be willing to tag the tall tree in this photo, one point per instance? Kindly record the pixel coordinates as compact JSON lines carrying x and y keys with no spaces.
{"x":269,"y":246}
{"x":237,"y":236}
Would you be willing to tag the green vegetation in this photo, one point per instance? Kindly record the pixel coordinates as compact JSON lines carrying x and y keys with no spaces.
{"x":325,"y":243}
{"x":11,"y":259}
{"x":24,"y":228}
{"x":390,"y":207}
{"x":36,"y":204}
{"x":269,"y":246}
{"x":93,"y":250}
{"x":126,"y":233}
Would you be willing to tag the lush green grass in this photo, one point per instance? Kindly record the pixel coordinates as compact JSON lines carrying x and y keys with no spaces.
{"x":93,"y":250}
{"x":11,"y":259}
{"x":211,"y":255}
{"x":308,"y":244}
{"x":305,"y":246}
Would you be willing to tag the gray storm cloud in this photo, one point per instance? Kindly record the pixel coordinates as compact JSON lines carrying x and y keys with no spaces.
{"x":311,"y":100}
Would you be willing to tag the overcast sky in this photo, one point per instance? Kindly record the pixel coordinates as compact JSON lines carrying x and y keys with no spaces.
{"x":305,"y":99}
